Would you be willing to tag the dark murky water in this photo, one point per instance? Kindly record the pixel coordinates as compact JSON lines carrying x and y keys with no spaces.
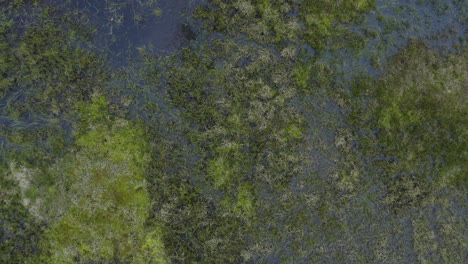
{"x":124,"y":27}
{"x":162,"y":33}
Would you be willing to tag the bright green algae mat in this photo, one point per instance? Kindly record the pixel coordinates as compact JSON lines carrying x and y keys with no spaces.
{"x":278,"y":131}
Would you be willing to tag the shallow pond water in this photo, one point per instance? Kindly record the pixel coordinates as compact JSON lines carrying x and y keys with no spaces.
{"x":123,"y":27}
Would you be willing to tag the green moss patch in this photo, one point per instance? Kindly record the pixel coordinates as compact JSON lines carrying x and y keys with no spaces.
{"x":417,"y":116}
{"x":96,"y":202}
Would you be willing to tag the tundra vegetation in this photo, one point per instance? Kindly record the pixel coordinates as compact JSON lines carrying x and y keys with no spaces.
{"x":254,"y":142}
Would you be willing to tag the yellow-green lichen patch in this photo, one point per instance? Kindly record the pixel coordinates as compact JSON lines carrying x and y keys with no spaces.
{"x":239,"y":98}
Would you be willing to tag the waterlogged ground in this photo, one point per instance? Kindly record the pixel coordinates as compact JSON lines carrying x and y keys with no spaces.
{"x":211,"y":131}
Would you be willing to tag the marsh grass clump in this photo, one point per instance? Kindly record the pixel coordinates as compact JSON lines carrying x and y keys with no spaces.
{"x":46,"y":68}
{"x":43,"y":52}
{"x":280,"y":21}
{"x":237,"y":97}
{"x":238,"y":114}
{"x":323,"y":19}
{"x":415,"y":116}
